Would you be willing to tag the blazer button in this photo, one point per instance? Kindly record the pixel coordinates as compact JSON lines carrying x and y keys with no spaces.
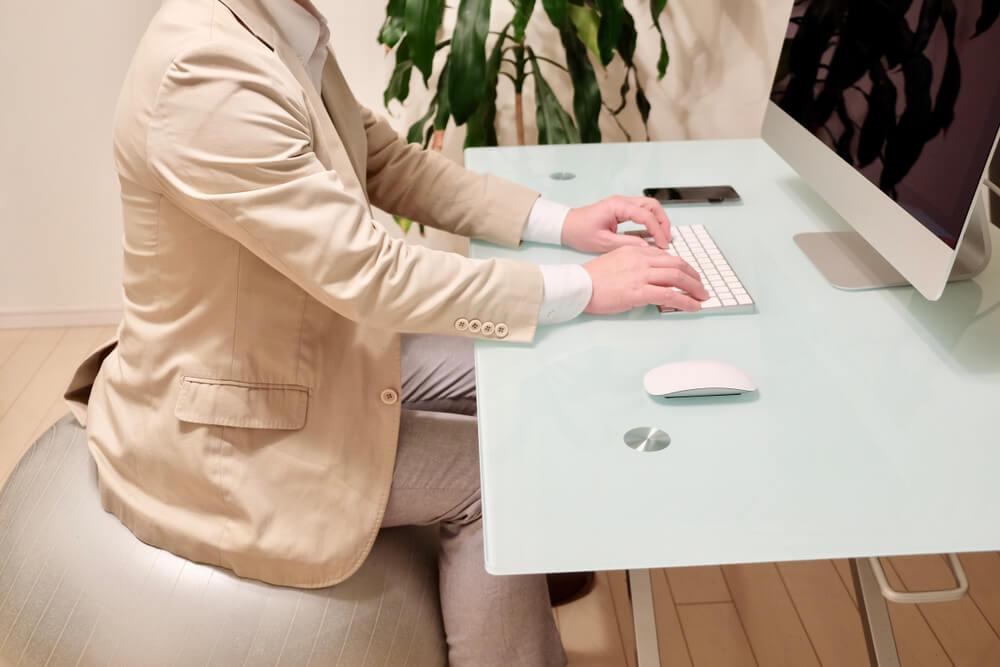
{"x":461,"y":324}
{"x":488,"y":328}
{"x":502,"y":330}
{"x":389,"y":396}
{"x":475,"y":326}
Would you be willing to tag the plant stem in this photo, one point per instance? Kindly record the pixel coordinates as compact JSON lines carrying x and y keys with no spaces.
{"x":519,"y":114}
{"x":520,"y":65}
{"x":437,"y":143}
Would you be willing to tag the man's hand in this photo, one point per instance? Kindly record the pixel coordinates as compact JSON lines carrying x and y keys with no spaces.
{"x":594,"y":228}
{"x":631,"y":277}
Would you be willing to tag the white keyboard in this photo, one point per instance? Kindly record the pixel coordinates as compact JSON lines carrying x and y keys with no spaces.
{"x":727,"y":293}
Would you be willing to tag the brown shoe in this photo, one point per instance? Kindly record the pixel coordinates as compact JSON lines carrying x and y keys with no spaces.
{"x":566,"y":587}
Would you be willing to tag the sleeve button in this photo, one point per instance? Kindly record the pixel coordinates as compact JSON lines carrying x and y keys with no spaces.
{"x":475,"y":326}
{"x":462,"y":324}
{"x":502,"y":330}
{"x":488,"y":328}
{"x":389,"y":396}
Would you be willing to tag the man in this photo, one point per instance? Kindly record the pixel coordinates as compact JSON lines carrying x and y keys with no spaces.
{"x":248,"y":413}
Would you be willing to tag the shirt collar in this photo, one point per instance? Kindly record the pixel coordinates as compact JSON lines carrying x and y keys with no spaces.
{"x":299,"y":27}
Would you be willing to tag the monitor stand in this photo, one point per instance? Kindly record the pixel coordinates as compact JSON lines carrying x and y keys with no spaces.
{"x":847,"y":261}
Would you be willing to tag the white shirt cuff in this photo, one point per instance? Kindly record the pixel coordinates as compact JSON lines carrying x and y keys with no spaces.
{"x":567,"y":292}
{"x":545,"y":222}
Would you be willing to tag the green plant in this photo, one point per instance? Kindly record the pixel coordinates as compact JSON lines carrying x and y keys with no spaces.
{"x":476,"y":65}
{"x":867,"y":54}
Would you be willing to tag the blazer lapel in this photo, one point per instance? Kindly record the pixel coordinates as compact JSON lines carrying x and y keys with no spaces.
{"x":345,"y":115}
{"x":326,"y":134}
{"x":330,"y":147}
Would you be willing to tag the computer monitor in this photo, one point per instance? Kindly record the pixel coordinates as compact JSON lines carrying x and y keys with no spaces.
{"x":891,"y":113}
{"x":993,"y":182}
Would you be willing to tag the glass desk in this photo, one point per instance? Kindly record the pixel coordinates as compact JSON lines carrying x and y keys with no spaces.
{"x":875,"y":430}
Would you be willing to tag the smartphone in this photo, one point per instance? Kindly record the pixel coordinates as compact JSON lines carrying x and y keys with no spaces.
{"x":698,"y":195}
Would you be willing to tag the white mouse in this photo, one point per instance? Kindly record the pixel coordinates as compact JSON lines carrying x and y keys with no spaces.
{"x":697,"y":378}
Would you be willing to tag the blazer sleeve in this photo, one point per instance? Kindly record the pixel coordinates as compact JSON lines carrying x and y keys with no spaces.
{"x":426,"y":186}
{"x":230,"y":142}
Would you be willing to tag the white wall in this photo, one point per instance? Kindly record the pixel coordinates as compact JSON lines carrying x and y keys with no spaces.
{"x":62,"y":65}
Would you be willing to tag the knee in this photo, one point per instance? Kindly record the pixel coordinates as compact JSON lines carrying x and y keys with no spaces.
{"x":468,"y":512}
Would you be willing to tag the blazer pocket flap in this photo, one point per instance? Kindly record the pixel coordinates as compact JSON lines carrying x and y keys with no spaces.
{"x":242,"y":404}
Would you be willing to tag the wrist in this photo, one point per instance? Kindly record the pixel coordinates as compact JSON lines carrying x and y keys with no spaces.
{"x":567,"y":224}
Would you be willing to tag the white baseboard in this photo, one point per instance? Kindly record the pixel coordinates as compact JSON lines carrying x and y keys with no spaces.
{"x":38,"y":319}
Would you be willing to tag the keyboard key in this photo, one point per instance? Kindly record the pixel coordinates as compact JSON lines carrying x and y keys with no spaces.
{"x":744,"y":299}
{"x":711,"y":303}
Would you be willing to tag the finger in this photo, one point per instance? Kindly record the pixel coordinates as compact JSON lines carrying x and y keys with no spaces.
{"x":644,"y":217}
{"x":671,"y":298}
{"x":654,"y":207}
{"x":662,"y":260}
{"x":611,"y":240}
{"x":678,"y":278}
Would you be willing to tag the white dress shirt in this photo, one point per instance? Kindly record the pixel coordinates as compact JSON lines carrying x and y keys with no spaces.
{"x":567,"y":288}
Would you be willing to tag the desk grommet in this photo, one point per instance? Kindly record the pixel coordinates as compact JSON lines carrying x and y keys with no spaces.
{"x":647,"y":439}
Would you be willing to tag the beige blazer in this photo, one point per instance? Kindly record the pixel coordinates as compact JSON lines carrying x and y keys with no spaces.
{"x":246,"y":413}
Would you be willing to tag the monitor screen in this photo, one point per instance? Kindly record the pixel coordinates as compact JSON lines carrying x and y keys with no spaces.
{"x":906,"y":91}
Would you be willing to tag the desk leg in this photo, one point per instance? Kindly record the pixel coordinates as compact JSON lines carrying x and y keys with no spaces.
{"x":647,"y":645}
{"x":874,"y":615}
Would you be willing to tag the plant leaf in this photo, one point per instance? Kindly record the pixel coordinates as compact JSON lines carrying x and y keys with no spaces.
{"x":906,"y":142}
{"x":404,"y":223}
{"x":656,"y":8}
{"x":481,"y":126}
{"x":844,"y":143}
{"x":930,"y":13}
{"x":587,"y":22}
{"x":951,"y":80}
{"x":612,"y":20}
{"x":586,"y":92}
{"x":523,"y":11}
{"x":664,"y":60}
{"x":881,"y":118}
{"x":393,"y":29}
{"x":399,"y":82}
{"x":642,"y":102}
{"x":415,"y":135}
{"x":853,"y":55}
{"x":555,"y":125}
{"x":422,"y":18}
{"x":628,"y":40}
{"x":467,"y":61}
{"x":557,"y":11}
{"x":811,"y":41}
{"x":626,"y":49}
{"x":989,"y":15}
{"x":443,"y":97}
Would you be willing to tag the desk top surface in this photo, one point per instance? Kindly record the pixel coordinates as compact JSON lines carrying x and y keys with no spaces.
{"x":876,"y":429}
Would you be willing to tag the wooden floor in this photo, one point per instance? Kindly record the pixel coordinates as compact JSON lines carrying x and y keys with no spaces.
{"x":797,"y":614}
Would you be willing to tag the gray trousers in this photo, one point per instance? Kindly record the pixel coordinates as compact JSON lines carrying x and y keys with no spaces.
{"x":502,"y":621}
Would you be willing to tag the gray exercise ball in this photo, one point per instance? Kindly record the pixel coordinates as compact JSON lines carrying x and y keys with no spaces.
{"x":76,"y":588}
